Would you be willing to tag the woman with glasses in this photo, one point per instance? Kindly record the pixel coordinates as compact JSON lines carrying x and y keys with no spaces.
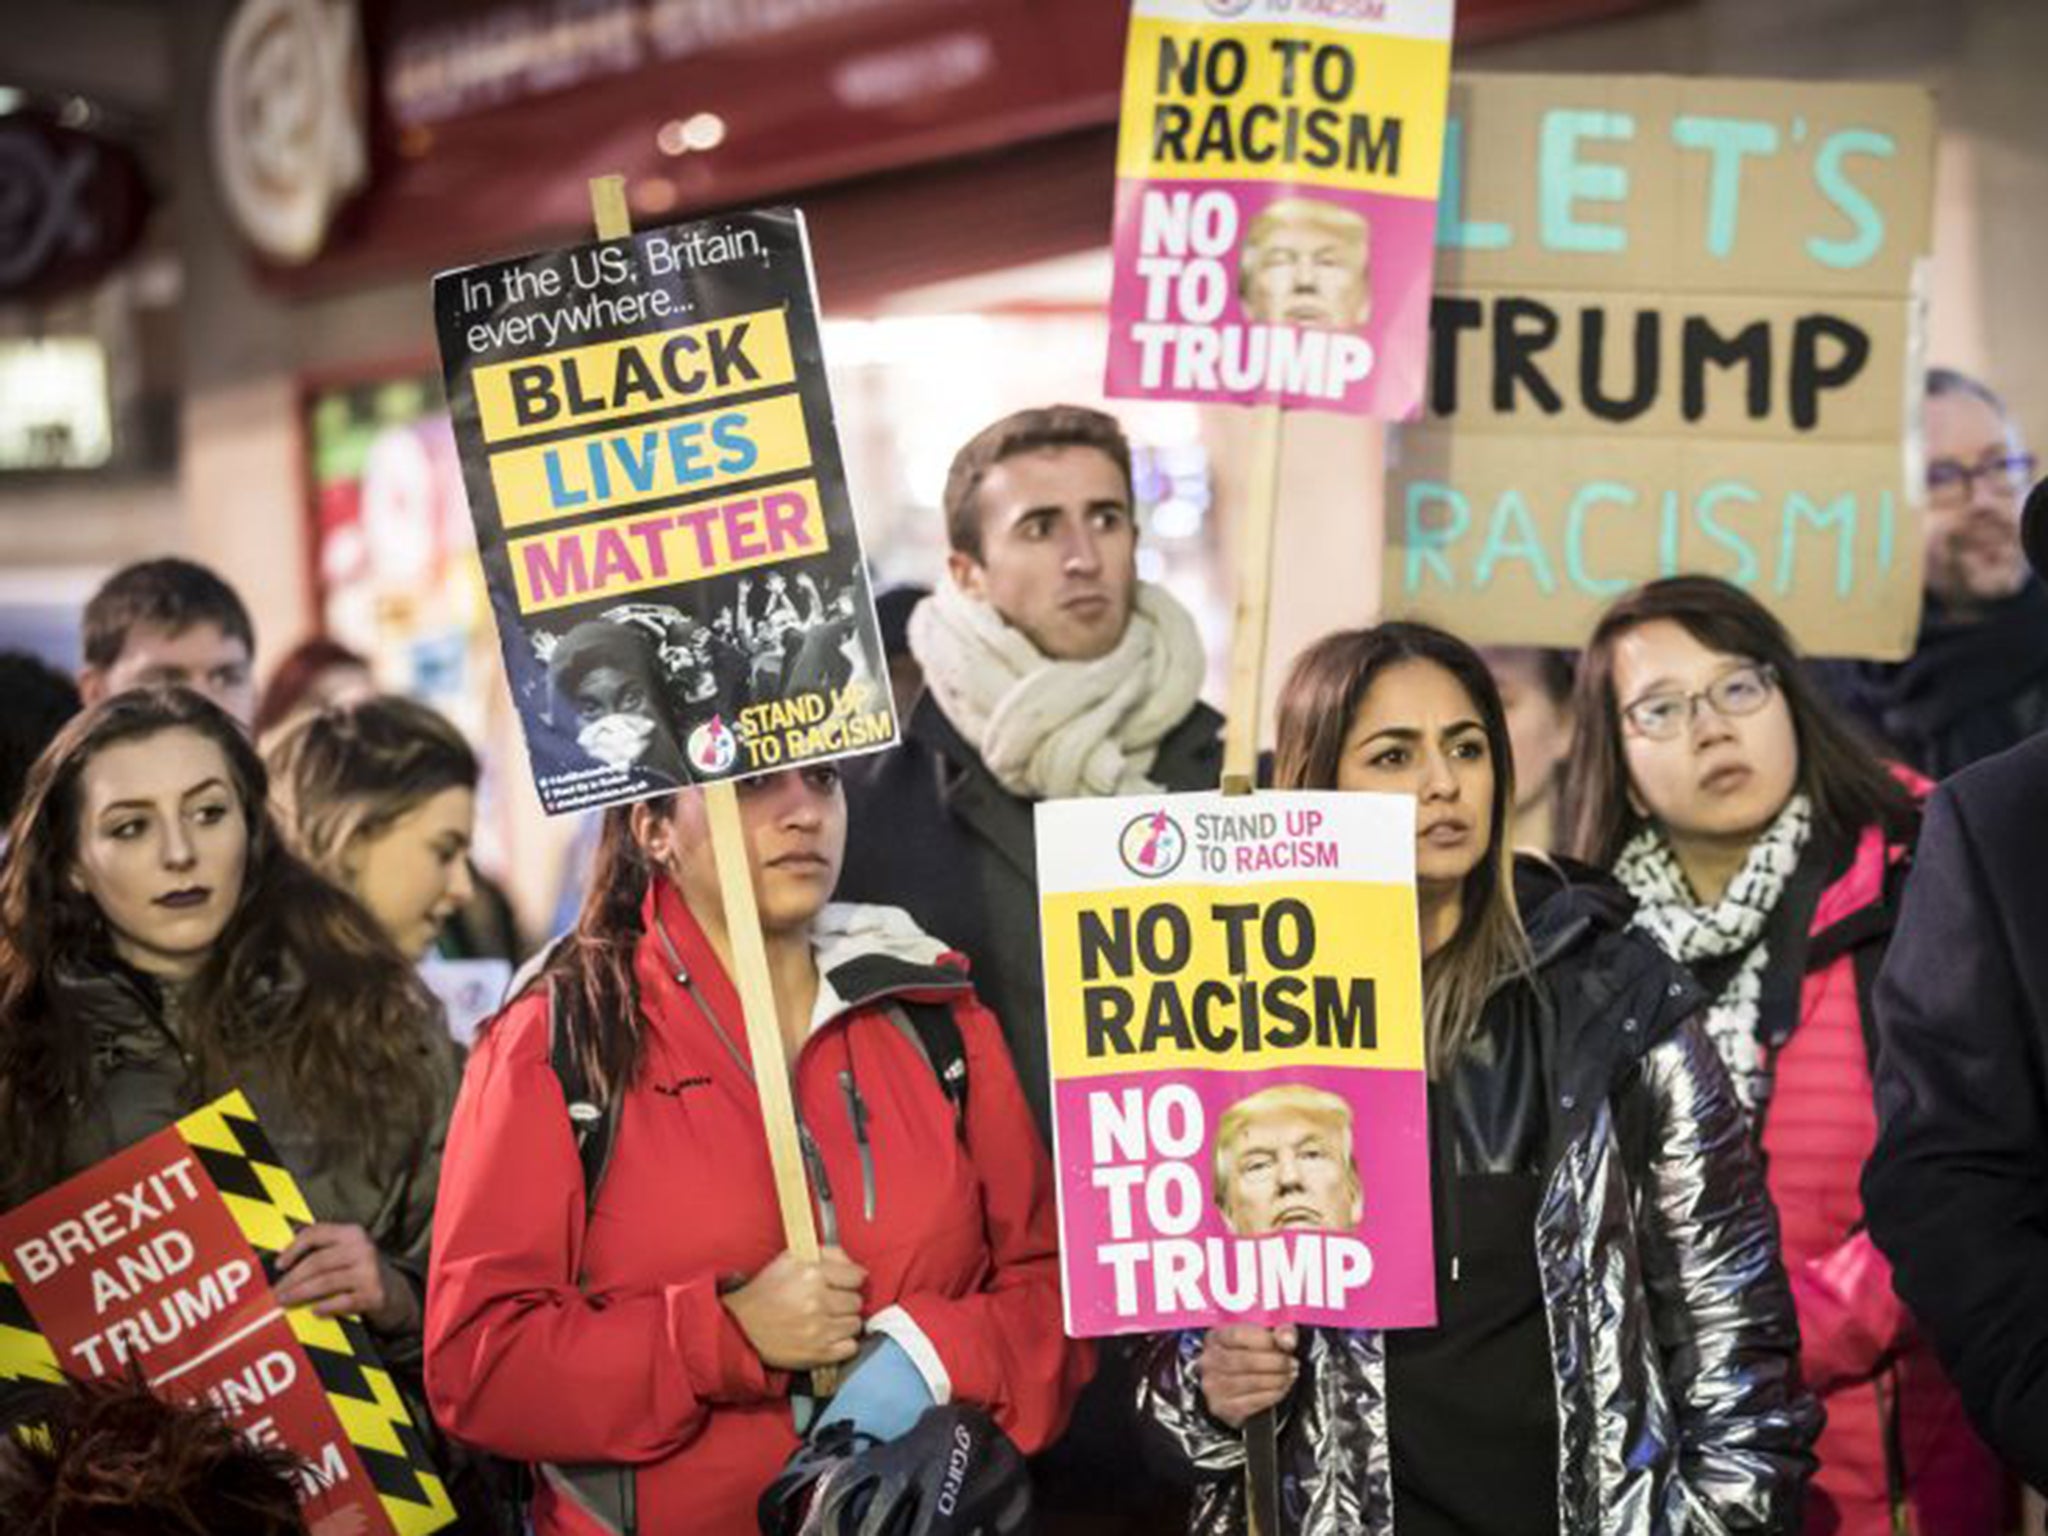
{"x":1765,"y":845}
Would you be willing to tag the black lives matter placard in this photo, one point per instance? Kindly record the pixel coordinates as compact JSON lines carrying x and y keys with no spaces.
{"x":647,"y":443}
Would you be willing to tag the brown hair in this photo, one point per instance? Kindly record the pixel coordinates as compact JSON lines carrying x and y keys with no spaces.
{"x":592,"y":995}
{"x":1839,"y":771}
{"x":110,"y":1459}
{"x":349,"y":1055}
{"x":303,"y":666}
{"x":1321,"y":697}
{"x":352,"y":770}
{"x":1050,"y":426}
{"x":168,"y":594}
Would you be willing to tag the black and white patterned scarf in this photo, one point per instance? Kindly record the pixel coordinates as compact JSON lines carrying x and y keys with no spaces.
{"x":1690,"y":933}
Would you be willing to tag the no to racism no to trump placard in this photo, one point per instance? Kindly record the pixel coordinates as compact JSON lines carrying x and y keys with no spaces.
{"x":1277,"y":170}
{"x":1234,"y":1003}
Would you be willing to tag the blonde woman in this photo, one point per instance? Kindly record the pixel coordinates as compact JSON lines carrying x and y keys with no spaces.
{"x":1614,"y":1351}
{"x":380,"y":797}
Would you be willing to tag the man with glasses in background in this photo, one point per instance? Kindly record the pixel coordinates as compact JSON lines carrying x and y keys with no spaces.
{"x":1977,"y":681}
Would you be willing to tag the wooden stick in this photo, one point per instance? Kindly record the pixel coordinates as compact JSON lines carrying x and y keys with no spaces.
{"x":1240,"y":777}
{"x":1254,"y":600}
{"x":764,"y":1024}
{"x":756,"y":986}
{"x":608,"y":209}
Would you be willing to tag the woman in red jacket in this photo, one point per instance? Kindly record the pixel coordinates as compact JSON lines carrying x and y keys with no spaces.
{"x":648,"y":1351}
{"x":1764,"y":846}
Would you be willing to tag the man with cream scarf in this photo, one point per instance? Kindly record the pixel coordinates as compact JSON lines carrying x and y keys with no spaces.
{"x":1050,"y":671}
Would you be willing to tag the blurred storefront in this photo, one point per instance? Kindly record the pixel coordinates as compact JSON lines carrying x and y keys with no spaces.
{"x":267,"y":398}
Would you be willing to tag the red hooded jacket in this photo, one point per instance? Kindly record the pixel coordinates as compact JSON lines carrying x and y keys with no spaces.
{"x":556,"y":1336}
{"x":1873,"y":1371}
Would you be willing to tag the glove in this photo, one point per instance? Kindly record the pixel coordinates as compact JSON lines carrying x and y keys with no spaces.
{"x":953,"y":1474}
{"x":883,"y":1394}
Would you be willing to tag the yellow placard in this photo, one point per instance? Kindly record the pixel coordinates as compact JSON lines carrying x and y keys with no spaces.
{"x":1176,"y":977}
{"x":688,"y":366}
{"x":1309,"y":106}
{"x":660,"y":548}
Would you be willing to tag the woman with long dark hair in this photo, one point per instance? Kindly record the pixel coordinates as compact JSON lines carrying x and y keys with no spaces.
{"x":1765,"y":845}
{"x":1614,"y":1351}
{"x":160,"y":946}
{"x":631,"y":1322}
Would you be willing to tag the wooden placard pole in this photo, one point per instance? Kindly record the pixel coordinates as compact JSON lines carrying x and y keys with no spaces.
{"x":1240,"y":777}
{"x":743,"y":929}
{"x":1254,"y":601}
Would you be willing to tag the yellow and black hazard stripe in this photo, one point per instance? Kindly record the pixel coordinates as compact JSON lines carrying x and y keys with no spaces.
{"x":268,"y":1207}
{"x":25,"y":1355}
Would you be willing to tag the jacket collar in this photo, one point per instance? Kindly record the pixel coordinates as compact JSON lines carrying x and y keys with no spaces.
{"x":968,"y":790}
{"x":106,"y":1000}
{"x":1613,"y":993}
{"x":865,"y":955}
{"x":1190,"y":756}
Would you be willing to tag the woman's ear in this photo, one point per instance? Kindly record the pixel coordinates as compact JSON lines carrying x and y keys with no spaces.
{"x":654,"y":833}
{"x":349,"y":856}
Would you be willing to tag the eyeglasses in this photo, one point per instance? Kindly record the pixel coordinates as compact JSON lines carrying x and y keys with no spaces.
{"x":1661,"y":716}
{"x":1950,"y":483}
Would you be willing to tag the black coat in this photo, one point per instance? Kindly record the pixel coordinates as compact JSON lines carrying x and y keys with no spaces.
{"x":1972,"y":687}
{"x":930,"y":830}
{"x":1957,"y":1190}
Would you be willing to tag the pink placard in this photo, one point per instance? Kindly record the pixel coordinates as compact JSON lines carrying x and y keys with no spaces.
{"x":1145,"y":1244}
{"x":1248,"y":292}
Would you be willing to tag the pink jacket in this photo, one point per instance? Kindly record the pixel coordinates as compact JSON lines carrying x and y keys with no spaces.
{"x":1860,"y":1350}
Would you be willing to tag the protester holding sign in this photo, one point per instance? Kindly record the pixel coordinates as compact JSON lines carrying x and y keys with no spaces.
{"x":1050,"y":671}
{"x":158,"y":943}
{"x":1607,"y":1268}
{"x":1766,"y":848}
{"x":629,"y":1316}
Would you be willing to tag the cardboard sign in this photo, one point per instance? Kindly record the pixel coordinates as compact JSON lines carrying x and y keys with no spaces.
{"x":1677,"y":329}
{"x":1233,"y":991}
{"x":648,"y":448}
{"x":160,"y":1259}
{"x":1277,"y":169}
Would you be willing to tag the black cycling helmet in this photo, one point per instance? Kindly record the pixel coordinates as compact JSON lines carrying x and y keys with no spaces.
{"x":953,"y":1474}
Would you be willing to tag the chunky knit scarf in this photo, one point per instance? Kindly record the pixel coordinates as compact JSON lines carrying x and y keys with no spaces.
{"x":1667,"y":910}
{"x":1054,"y":729}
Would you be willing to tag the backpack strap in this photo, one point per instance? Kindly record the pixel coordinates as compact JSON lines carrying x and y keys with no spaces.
{"x":604,"y":1491}
{"x":932,"y":1028}
{"x":593,"y":1119}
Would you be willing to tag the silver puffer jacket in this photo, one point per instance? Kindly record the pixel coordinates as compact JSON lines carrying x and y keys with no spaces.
{"x":1673,"y":1343}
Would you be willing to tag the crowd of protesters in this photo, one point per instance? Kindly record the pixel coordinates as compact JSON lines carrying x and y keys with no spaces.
{"x":1735,"y":1024}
